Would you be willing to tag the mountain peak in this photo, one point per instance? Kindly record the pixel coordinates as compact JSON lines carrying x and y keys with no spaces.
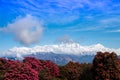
{"x":99,"y":45}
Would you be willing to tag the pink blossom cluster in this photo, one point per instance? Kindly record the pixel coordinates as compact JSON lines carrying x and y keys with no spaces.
{"x":29,"y":69}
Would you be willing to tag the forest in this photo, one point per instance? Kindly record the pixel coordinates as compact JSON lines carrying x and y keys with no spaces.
{"x":105,"y":66}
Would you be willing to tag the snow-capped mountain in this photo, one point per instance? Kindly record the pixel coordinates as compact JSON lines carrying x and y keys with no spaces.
{"x":64,"y":52}
{"x":65,"y":48}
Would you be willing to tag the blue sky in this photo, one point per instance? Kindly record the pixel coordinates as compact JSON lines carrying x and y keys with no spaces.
{"x":84,"y":21}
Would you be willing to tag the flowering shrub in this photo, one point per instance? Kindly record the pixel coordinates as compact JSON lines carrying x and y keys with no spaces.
{"x":47,"y":70}
{"x":20,"y":71}
{"x":33,"y":63}
{"x":15,"y":70}
{"x":3,"y":69}
{"x":52,"y":68}
{"x":70,"y":71}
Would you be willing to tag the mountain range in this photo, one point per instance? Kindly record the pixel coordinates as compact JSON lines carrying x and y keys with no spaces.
{"x":60,"y":54}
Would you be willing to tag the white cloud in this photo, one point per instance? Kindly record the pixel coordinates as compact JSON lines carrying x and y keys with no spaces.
{"x":65,"y":48}
{"x":27,"y":30}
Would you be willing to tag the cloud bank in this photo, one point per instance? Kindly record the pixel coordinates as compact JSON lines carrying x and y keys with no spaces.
{"x":26,"y":30}
{"x":64,"y":48}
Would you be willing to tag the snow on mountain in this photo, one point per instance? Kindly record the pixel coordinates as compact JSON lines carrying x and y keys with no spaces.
{"x":64,"y":48}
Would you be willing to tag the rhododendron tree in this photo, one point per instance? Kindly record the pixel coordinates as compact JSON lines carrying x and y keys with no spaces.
{"x":16,"y":70}
{"x":70,"y":71}
{"x":47,"y":69}
{"x":20,"y":71}
{"x":3,"y":68}
{"x":52,"y":68}
{"x":106,"y":66}
{"x":33,"y":63}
